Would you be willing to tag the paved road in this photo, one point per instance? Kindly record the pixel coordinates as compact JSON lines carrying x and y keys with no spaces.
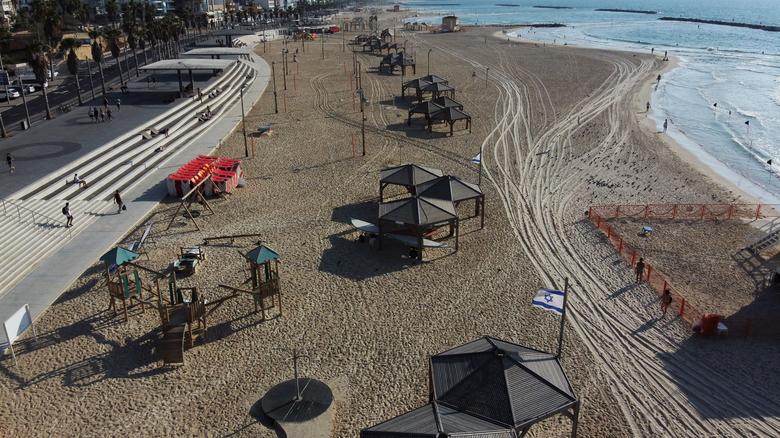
{"x":66,"y":93}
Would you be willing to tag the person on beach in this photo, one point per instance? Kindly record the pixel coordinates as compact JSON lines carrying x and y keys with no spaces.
{"x":640,"y":270}
{"x":68,"y":216}
{"x":118,"y":202}
{"x":666,"y":124}
{"x":647,"y":107}
{"x":666,"y":301}
{"x":9,"y":160}
{"x":652,"y":50}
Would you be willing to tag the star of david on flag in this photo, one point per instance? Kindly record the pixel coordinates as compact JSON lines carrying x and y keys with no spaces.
{"x":549,"y":299}
{"x":477,"y":158}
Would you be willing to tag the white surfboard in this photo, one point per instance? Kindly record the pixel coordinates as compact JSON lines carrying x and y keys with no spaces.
{"x":412,"y":241}
{"x":366,"y":227}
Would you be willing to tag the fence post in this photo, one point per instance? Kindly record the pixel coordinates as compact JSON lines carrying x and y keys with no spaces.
{"x":617,"y":211}
{"x":682,"y":307}
{"x":665,"y":285}
{"x":620,"y":246}
{"x":758,"y":211}
{"x":609,"y":233}
{"x":674,"y":211}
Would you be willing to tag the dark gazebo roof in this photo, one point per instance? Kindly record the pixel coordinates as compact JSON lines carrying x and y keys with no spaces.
{"x":417,"y":211}
{"x":437,"y":87}
{"x":446,"y":102}
{"x":426,"y":108}
{"x":486,"y":388}
{"x":416,"y":84}
{"x":500,"y":381}
{"x":435,"y":79}
{"x":408,"y":175}
{"x":435,"y":420}
{"x":450,"y":114}
{"x":402,"y":59}
{"x":449,"y":188}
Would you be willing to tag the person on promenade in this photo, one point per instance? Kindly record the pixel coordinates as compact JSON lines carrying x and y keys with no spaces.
{"x":666,"y":124}
{"x":68,"y":216}
{"x":118,"y":202}
{"x":666,"y":301}
{"x":80,"y":181}
{"x":105,"y":101}
{"x":9,"y":159}
{"x":102,"y":115}
{"x":118,"y":105}
{"x":91,"y":115}
{"x":108,"y":114}
{"x":640,"y":270}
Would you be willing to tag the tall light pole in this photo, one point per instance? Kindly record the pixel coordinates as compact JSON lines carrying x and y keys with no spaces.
{"x":429,"y":61}
{"x":323,"y":45}
{"x":284,"y":76}
{"x":273,"y":74}
{"x":243,"y":121}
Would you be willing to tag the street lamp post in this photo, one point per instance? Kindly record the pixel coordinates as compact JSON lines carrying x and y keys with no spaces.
{"x":429,"y":61}
{"x":243,"y":121}
{"x":91,"y":83}
{"x":363,"y":120}
{"x":284,"y":77}
{"x":273,"y":74}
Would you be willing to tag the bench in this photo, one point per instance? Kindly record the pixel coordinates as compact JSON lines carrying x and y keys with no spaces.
{"x":138,"y":245}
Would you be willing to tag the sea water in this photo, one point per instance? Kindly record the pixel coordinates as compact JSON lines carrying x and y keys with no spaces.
{"x":736,"y":68}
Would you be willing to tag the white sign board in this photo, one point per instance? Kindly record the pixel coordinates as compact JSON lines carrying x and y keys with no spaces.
{"x":16,"y":325}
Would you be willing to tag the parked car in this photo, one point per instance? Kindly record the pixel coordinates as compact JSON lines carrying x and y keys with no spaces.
{"x":12,"y":93}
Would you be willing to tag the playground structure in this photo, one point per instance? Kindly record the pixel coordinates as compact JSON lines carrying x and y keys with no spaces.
{"x":264,"y":277}
{"x":123,"y":283}
{"x":599,"y":216}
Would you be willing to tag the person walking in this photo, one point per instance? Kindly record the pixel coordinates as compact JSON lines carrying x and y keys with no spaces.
{"x":666,"y":301}
{"x":666,"y":124}
{"x":118,"y":202}
{"x":105,"y":100}
{"x":9,"y":159}
{"x":108,"y":114}
{"x":118,"y":105}
{"x":102,"y":115}
{"x":68,"y":216}
{"x":91,"y":115}
{"x":647,"y":107}
{"x":640,"y":269}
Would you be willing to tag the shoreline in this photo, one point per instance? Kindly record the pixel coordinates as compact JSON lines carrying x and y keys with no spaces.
{"x":701,"y":160}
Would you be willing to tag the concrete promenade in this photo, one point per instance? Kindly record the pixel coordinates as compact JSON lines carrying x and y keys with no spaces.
{"x":58,"y":271}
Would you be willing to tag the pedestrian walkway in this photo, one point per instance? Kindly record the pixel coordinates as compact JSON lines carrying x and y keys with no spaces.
{"x":138,"y":169}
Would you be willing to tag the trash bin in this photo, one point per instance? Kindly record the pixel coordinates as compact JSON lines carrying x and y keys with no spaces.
{"x":24,"y":125}
{"x":709,"y":324}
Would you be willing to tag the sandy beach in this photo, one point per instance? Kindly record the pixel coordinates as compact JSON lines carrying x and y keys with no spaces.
{"x":559,"y":129}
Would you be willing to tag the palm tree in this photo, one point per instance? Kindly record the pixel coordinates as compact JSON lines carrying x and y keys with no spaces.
{"x":97,"y":56}
{"x":40,"y":65}
{"x":113,"y":35}
{"x":70,"y":45}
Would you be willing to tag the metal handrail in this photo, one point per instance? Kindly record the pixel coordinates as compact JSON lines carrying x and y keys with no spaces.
{"x":33,"y":213}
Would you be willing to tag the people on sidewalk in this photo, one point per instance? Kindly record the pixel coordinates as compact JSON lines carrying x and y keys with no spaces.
{"x":9,"y":159}
{"x":118,"y":202}
{"x":68,"y":216}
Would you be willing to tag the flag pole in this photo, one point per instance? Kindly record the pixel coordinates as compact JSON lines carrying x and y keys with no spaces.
{"x":563,"y":316}
{"x":479,"y":183}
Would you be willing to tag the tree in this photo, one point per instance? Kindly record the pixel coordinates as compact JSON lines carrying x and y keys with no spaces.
{"x":97,"y":56}
{"x":113,"y":35}
{"x":40,"y":65}
{"x":70,"y":45}
{"x":112,"y":10}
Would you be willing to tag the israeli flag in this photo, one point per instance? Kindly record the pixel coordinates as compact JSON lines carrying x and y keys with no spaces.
{"x":549,"y":299}
{"x":477,"y":158}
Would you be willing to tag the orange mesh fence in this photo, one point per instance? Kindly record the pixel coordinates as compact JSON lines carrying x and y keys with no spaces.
{"x":651,"y":275}
{"x":687,"y":211}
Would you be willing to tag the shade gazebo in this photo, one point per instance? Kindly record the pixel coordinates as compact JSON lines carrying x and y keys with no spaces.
{"x":506,"y":386}
{"x":407,"y":175}
{"x":417,"y":217}
{"x":415,"y":84}
{"x":452,"y":188}
{"x":446,"y":102}
{"x":449,"y":116}
{"x":434,"y":79}
{"x":438,"y":88}
{"x":264,"y":275}
{"x":189,"y":65}
{"x":425,"y":108}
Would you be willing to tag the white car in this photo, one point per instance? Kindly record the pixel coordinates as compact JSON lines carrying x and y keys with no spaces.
{"x":12,"y":93}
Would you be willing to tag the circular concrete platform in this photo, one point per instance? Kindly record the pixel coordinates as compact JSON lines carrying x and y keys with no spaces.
{"x":282,"y":404}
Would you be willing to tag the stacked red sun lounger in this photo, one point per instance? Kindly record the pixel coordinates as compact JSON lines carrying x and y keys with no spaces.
{"x":226,"y":174}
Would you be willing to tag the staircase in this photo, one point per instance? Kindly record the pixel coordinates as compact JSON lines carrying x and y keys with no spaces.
{"x":30,"y":231}
{"x":764,"y":242}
